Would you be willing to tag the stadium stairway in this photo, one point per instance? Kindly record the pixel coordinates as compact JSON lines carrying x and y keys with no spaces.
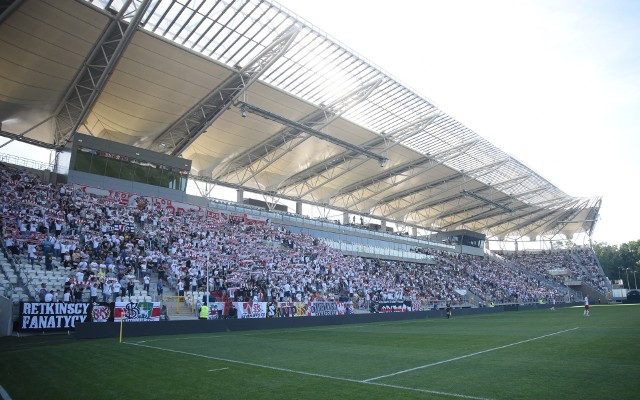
{"x":595,"y":296}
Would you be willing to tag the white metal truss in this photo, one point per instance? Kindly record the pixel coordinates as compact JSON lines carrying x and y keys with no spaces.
{"x":556,"y":225}
{"x":197,"y":120}
{"x":305,"y":182}
{"x":526,"y":226}
{"x":360,"y":192}
{"x":255,"y":160}
{"x":95,"y":71}
{"x":524,"y":214}
{"x":414,"y":205}
{"x":204,"y":187}
{"x":338,"y":168}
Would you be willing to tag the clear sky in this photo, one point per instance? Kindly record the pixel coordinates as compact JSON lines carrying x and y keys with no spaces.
{"x":556,"y":84}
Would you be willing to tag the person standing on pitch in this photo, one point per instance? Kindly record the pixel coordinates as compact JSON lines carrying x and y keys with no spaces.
{"x":586,"y":306}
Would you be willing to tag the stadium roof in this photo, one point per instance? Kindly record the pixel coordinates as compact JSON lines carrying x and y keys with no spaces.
{"x":260,"y":99}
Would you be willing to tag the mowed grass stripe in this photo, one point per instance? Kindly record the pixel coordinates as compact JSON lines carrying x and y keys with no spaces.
{"x":588,"y":363}
{"x":373,"y":350}
{"x":468,"y":355}
{"x":456,"y":395}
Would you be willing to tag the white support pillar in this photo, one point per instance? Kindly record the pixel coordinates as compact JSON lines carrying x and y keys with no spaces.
{"x":299,"y":207}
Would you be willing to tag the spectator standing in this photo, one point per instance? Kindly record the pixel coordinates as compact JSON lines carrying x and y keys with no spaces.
{"x":131,"y":286}
{"x":147,"y":282}
{"x":48,"y":262}
{"x":106,"y":291}
{"x":93,"y":293}
{"x":117,"y":287}
{"x":161,"y":271}
{"x":66,"y":296}
{"x":159,"y":288}
{"x":77,"y":293}
{"x":233,"y":311}
{"x":43,"y":291}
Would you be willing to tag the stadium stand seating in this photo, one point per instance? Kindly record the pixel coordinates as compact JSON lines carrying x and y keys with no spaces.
{"x":68,"y":240}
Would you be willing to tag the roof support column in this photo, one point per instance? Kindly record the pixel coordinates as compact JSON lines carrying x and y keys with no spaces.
{"x":345,"y":218}
{"x":299,"y":207}
{"x":240,"y":196}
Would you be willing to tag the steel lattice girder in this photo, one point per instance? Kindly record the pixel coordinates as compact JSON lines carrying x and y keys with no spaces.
{"x":399,"y":175}
{"x":199,"y":118}
{"x":323,"y":172}
{"x":95,"y":71}
{"x":255,"y":160}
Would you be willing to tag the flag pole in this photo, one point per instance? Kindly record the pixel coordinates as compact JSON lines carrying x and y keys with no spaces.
{"x":121,"y":324}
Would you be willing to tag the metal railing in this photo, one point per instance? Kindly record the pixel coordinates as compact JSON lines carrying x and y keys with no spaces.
{"x":25,"y":162}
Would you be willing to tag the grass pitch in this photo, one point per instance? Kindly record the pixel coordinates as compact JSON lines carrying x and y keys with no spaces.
{"x":512,"y":355}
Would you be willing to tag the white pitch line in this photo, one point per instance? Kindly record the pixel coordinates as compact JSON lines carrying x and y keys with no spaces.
{"x":468,"y":355}
{"x":4,"y":394}
{"x":463,"y":396}
{"x":217,"y":369}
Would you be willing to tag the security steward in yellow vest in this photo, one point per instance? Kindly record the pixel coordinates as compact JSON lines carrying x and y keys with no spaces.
{"x":204,"y":312}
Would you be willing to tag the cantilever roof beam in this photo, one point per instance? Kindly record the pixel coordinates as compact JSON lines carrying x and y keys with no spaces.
{"x":321,"y":135}
{"x":199,"y":118}
{"x":330,"y":171}
{"x":261,"y":156}
{"x":322,"y":167}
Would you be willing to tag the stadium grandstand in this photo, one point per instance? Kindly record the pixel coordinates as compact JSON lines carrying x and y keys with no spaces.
{"x":349,"y":186}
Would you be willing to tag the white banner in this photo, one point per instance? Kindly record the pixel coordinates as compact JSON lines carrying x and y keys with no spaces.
{"x":253,"y":309}
{"x":136,"y":312}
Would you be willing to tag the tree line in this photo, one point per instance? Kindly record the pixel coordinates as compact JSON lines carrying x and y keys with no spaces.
{"x":620,"y":261}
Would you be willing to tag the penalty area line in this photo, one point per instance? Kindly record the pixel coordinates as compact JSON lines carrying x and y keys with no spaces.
{"x":468,"y":355}
{"x":457,"y":395}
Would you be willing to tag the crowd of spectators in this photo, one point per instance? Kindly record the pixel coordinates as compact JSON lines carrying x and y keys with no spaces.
{"x":578,"y":264}
{"x":109,"y":248}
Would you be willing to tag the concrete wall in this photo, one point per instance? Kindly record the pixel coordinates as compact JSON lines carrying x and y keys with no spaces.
{"x":6,"y":316}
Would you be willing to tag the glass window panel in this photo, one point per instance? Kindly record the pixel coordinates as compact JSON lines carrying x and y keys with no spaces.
{"x":98,"y":165}
{"x":155,"y":176}
{"x":113,"y":168}
{"x":83,"y":161}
